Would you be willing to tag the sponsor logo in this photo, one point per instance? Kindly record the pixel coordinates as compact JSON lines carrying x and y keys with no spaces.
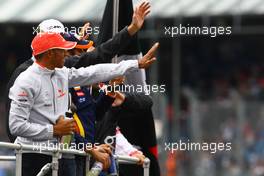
{"x":23,"y":94}
{"x":61,"y":93}
{"x":81,"y":100}
{"x":80,"y":94}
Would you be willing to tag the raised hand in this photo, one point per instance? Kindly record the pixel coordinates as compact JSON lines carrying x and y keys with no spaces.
{"x":138,"y":17}
{"x":148,"y":58}
{"x":140,"y":13}
{"x":83,"y":35}
{"x":119,"y":99}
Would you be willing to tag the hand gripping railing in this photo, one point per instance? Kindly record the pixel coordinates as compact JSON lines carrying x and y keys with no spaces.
{"x":56,"y":152}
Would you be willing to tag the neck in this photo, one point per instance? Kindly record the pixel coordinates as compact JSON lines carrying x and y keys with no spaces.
{"x":45,"y":64}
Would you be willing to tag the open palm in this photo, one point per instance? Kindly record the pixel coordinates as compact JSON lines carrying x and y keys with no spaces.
{"x":140,"y":13}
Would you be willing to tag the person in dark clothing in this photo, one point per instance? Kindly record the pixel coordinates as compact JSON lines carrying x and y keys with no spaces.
{"x":101,"y":54}
{"x":140,"y":128}
{"x":134,"y":117}
{"x":132,"y":102}
{"x":88,"y":111}
{"x":90,"y":105}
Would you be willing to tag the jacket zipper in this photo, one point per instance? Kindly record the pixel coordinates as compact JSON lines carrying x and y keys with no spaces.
{"x":54,"y":103}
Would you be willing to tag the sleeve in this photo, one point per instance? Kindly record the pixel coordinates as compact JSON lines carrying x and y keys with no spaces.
{"x":72,"y":61}
{"x":99,"y":73}
{"x":22,"y":96}
{"x":102,"y":53}
{"x":10,"y":83}
{"x":137,"y":101}
{"x":123,"y":147}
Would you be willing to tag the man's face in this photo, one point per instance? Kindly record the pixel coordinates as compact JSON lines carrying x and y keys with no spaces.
{"x":76,"y":51}
{"x":58,"y":57}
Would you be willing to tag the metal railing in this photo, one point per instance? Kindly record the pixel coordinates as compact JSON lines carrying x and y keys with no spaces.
{"x":56,"y":154}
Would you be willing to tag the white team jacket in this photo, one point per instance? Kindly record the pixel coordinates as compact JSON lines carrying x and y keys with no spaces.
{"x":39,"y":96}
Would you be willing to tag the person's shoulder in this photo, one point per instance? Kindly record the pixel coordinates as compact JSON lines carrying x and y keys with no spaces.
{"x":28,"y":77}
{"x":21,"y":68}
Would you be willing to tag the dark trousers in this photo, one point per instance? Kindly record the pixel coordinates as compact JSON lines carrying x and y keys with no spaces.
{"x":33,"y":162}
{"x":80,"y":165}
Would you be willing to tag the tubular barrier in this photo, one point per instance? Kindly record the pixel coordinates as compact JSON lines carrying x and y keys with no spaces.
{"x":56,"y":152}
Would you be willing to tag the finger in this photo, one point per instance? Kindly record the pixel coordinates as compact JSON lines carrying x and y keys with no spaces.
{"x":108,"y":150}
{"x":87,"y":25}
{"x":142,"y":161}
{"x":84,"y":29}
{"x":153,"y":49}
{"x":146,"y":13}
{"x":85,"y":37}
{"x":114,"y":104}
{"x":59,"y":119}
{"x":146,"y":5}
{"x":142,"y":4}
{"x":105,"y":145}
{"x":148,"y":63}
{"x":106,"y":163}
{"x":136,"y":10}
{"x":145,"y":9}
{"x":119,"y":94}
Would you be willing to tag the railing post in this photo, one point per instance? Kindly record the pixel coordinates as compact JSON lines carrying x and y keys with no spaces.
{"x":146,"y":166}
{"x":55,"y":163}
{"x":19,"y":161}
{"x":87,"y":164}
{"x":117,"y":165}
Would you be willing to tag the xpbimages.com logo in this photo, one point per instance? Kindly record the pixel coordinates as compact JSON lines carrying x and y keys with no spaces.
{"x":73,"y":30}
{"x":212,"y":31}
{"x":49,"y":146}
{"x":146,"y":89}
{"x":42,"y":147}
{"x":212,"y":147}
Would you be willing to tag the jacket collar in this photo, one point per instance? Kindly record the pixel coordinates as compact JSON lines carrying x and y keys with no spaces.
{"x":42,"y":69}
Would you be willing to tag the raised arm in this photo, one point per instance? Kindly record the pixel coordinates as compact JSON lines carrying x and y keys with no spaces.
{"x":107,"y":50}
{"x":104,"y":72}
